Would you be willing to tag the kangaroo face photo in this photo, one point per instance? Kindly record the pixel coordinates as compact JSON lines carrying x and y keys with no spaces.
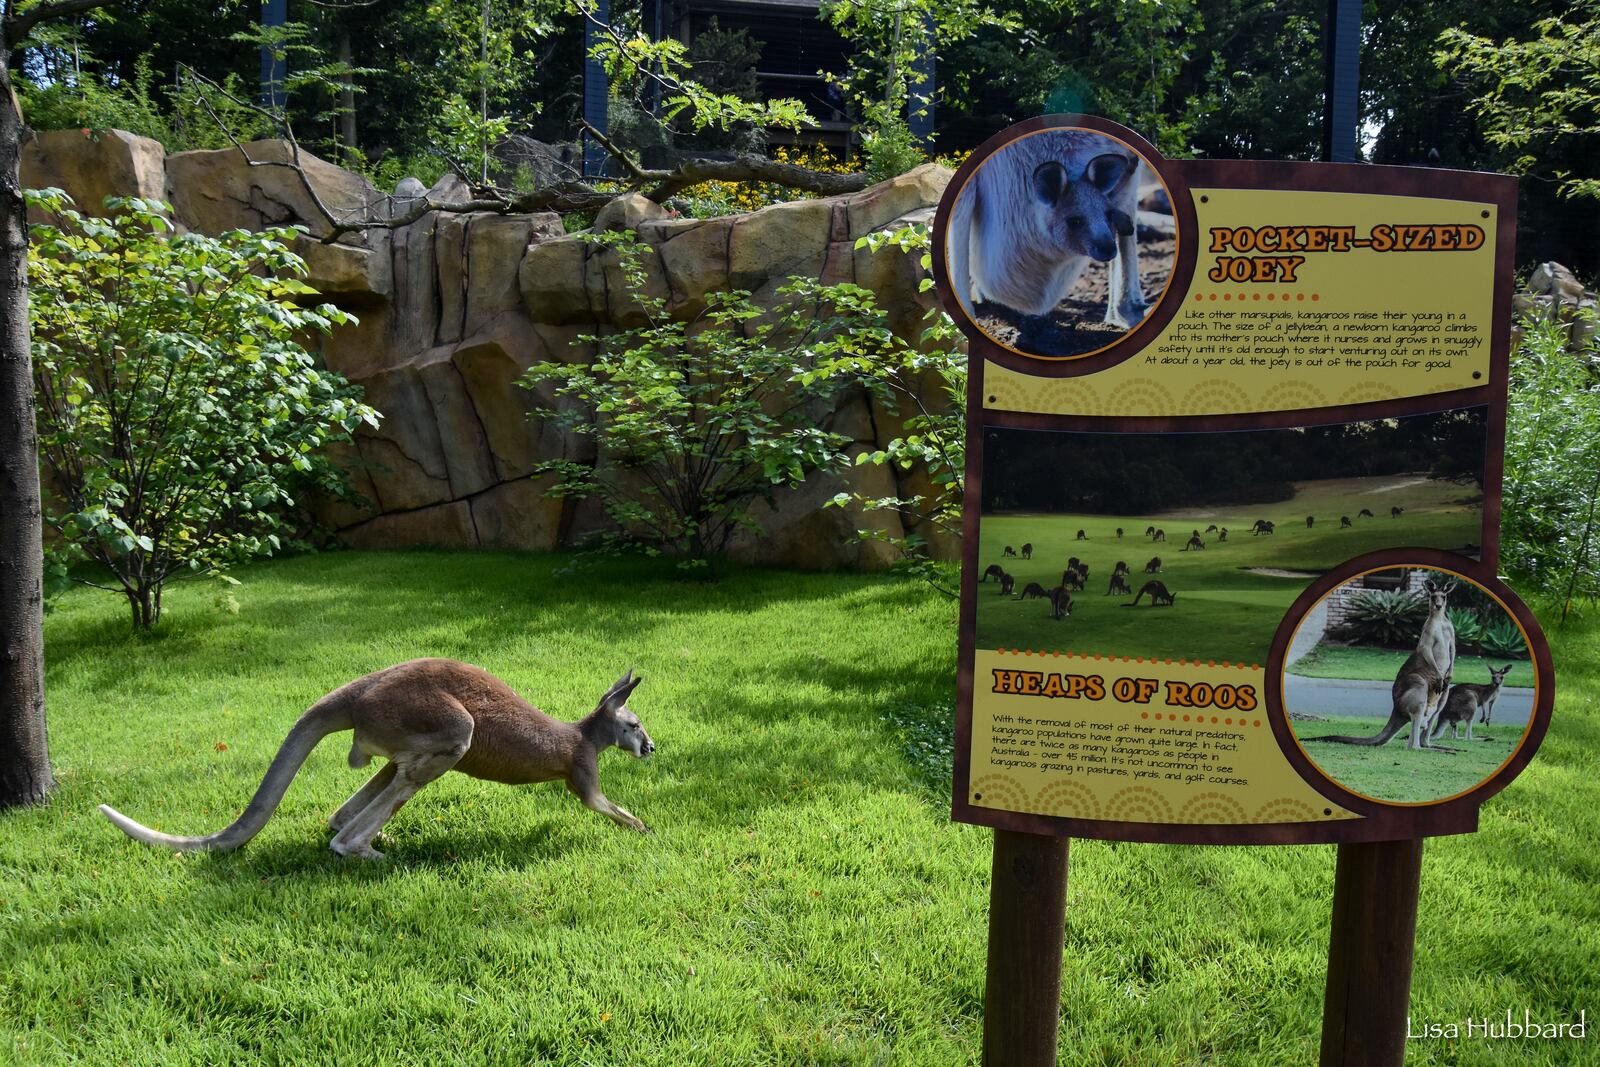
{"x":1049,"y":252}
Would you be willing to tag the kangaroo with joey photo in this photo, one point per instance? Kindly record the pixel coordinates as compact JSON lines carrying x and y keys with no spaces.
{"x":426,"y":717}
{"x":1033,"y":218}
{"x":1420,"y":686}
{"x":1158,"y":595}
{"x":1467,"y":703}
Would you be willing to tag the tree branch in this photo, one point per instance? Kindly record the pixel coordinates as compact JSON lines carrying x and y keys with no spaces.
{"x":18,"y":26}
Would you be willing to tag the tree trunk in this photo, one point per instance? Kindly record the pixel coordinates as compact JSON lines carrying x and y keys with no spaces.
{"x":347,"y":97}
{"x":24,"y":755}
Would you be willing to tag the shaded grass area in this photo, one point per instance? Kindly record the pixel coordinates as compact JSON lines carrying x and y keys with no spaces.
{"x":1395,"y":772}
{"x":1224,"y":610}
{"x":803,"y":900}
{"x":1364,"y":663}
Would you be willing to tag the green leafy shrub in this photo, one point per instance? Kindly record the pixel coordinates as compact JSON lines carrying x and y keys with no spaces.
{"x":696,"y":421}
{"x":175,"y":401}
{"x":1383,"y":617}
{"x":1468,"y":625}
{"x":1551,"y":499}
{"x":1503,"y":638}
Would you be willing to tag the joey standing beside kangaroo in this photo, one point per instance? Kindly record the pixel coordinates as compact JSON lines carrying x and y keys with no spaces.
{"x":1466,"y":702}
{"x":1423,"y":680}
{"x":429,"y":716}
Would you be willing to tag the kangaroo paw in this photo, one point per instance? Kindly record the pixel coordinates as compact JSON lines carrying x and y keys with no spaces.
{"x":360,"y":852}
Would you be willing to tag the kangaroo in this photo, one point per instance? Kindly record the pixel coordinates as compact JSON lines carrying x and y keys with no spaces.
{"x":1060,"y":602}
{"x":1364,"y":513}
{"x":1158,"y":594}
{"x":1083,"y":570}
{"x":1395,"y":513}
{"x":1007,"y":583}
{"x":1072,"y":563}
{"x":1009,"y":551}
{"x":1120,"y":568}
{"x":995,"y":571}
{"x":1119,"y":585}
{"x":1212,"y":528}
{"x":1262,"y":526}
{"x":429,"y":716}
{"x":1420,"y":686}
{"x":1345,"y":523}
{"x":1031,"y":590}
{"x":1194,"y":544}
{"x":1310,"y":521}
{"x":1161,"y":535}
{"x":1466,"y":702}
{"x":1119,"y":533}
{"x":1027,"y":550}
{"x":1222,"y":535}
{"x":1154,"y":566}
{"x":1082,"y":536}
{"x":1072,"y":578}
{"x":1150,"y":531}
{"x":1035,"y":216}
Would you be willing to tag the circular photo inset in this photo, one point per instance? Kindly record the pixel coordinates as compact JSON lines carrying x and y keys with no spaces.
{"x":1409,"y":685}
{"x":1061,"y":243}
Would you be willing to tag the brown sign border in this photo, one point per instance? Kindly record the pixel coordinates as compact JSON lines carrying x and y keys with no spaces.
{"x":1378,"y":822}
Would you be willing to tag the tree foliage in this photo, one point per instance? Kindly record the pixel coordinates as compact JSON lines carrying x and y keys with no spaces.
{"x":177,"y":406}
{"x":698,"y":420}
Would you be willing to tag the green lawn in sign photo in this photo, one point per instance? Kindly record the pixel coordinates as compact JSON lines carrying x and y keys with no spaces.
{"x":1229,"y":604}
{"x":1403,"y":775}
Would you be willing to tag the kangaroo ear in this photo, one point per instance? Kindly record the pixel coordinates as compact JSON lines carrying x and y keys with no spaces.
{"x":1048,"y":179}
{"x":617,"y":695}
{"x":1105,"y":171}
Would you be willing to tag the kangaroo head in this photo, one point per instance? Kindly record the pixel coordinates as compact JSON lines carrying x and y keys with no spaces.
{"x":1498,"y":675}
{"x":1082,"y":219}
{"x":1438,"y":596}
{"x":626,"y":732}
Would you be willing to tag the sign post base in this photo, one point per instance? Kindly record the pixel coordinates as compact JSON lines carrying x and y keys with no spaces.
{"x":1027,"y":926}
{"x":1369,"y":954}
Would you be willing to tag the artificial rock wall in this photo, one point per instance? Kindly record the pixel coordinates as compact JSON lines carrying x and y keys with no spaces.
{"x":454,"y":307}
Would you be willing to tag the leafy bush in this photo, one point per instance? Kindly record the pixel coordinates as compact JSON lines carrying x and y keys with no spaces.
{"x":1469,"y":627}
{"x":1503,"y":638}
{"x":696,"y":421}
{"x":175,"y":401}
{"x":1552,"y":470}
{"x":1383,"y":617}
{"x":88,"y":102}
{"x":891,"y":150}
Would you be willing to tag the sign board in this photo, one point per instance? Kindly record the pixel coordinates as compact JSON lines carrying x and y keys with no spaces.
{"x":1235,"y":436}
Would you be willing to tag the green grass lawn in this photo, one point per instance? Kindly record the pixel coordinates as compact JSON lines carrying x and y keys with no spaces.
{"x":1224,"y":611}
{"x":1395,"y":772}
{"x":1382,"y":664}
{"x":804,"y":899}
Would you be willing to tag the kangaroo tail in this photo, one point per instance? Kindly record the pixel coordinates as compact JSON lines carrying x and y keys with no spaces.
{"x":1392,"y":727}
{"x":317,"y":723}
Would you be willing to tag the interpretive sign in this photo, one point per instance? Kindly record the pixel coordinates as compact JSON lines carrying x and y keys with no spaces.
{"x":1235,"y":437}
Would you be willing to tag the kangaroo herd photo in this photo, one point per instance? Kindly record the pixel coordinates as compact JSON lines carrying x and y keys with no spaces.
{"x":1229,"y":529}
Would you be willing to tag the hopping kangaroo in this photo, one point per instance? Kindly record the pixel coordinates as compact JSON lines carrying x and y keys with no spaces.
{"x":1032,"y":219}
{"x":427,"y":717}
{"x":1419,"y":689}
{"x":1158,"y":595}
{"x":1466,"y":701}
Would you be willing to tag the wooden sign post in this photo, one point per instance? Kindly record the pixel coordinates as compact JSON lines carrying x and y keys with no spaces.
{"x":1234,"y":453}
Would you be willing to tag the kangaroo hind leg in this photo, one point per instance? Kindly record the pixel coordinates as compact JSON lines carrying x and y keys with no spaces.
{"x":361,"y":798}
{"x":425,"y":756}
